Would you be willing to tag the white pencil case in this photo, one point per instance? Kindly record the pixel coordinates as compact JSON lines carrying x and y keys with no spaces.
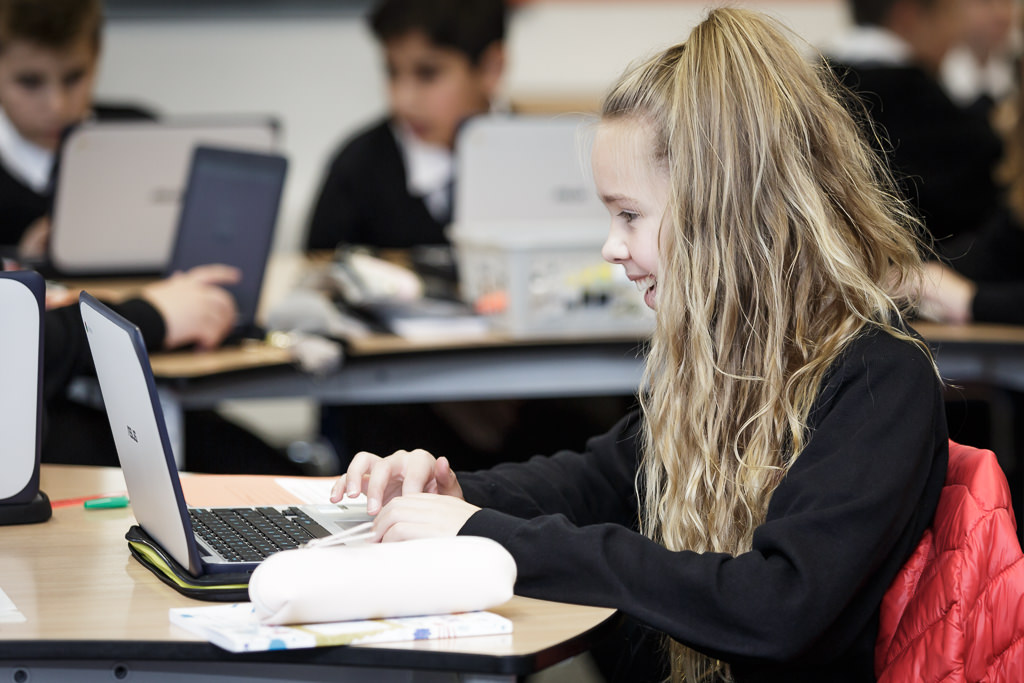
{"x":382,"y":580}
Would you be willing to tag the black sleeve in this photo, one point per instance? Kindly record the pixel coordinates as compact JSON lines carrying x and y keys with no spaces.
{"x":66,"y":350}
{"x":336,"y":213}
{"x":588,"y":488}
{"x":838,"y":528}
{"x":996,"y":302}
{"x":991,"y":257}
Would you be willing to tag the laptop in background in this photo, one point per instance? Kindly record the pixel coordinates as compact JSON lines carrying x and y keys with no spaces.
{"x":144,"y":451}
{"x":228,"y":215}
{"x":119,"y":186}
{"x":522,"y":170}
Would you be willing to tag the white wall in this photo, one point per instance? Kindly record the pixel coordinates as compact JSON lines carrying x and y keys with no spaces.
{"x":321,"y":74}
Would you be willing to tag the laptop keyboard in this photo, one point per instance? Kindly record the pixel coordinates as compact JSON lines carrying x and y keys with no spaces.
{"x":253,"y":534}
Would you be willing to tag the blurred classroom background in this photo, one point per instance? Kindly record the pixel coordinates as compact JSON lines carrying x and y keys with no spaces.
{"x":314,"y":65}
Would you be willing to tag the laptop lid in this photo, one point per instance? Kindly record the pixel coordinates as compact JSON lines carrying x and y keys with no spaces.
{"x":228,"y":216}
{"x":147,"y":460}
{"x":119,"y":186}
{"x":516,"y":171}
{"x":140,"y":433}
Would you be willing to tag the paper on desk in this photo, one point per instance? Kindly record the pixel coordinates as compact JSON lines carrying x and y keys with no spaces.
{"x":205,"y":490}
{"x":9,"y":612}
{"x":236,"y":628}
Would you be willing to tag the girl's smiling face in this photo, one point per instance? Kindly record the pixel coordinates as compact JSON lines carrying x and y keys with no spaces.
{"x":635,"y":190}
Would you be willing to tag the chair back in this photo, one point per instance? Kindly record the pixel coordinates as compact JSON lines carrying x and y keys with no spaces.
{"x":955,"y":611}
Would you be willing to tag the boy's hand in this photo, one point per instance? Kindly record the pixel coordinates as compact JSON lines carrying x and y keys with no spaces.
{"x":195,"y":308}
{"x":35,"y":239}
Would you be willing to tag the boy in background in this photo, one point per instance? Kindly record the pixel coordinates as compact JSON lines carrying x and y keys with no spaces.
{"x":946,"y":154}
{"x":390,"y":186}
{"x":49,"y":51}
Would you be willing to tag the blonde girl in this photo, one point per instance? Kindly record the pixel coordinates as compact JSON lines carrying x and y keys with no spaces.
{"x":791,"y":441}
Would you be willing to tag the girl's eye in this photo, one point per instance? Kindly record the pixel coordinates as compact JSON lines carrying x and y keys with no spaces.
{"x":628,"y":216}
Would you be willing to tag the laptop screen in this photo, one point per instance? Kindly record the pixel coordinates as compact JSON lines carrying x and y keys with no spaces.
{"x":140,"y":433}
{"x":228,"y":216}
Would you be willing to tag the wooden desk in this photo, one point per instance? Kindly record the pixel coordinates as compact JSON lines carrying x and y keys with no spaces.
{"x":90,"y":607}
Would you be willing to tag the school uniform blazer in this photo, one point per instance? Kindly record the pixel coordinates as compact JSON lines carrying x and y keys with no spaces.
{"x":944,"y":155}
{"x":364,"y":199}
{"x":803,"y":603}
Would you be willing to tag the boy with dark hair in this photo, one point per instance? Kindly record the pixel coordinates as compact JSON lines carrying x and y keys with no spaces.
{"x":391,"y":185}
{"x":946,"y":154}
{"x":49,"y":51}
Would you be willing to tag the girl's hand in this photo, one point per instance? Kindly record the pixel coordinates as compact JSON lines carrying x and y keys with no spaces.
{"x":422,"y":515}
{"x":400,"y":474}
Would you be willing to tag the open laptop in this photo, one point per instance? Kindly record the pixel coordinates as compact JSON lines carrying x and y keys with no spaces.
{"x":143,"y":448}
{"x":119,"y":186}
{"x":521,"y":171}
{"x":228,"y":216}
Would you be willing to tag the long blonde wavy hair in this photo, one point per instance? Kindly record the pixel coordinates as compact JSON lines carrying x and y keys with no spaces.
{"x":786,"y":239}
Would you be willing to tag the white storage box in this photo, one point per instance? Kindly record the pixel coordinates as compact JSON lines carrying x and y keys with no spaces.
{"x":550,"y":283}
{"x":528,"y":232}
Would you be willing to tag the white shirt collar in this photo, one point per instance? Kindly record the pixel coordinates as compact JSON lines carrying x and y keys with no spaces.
{"x":429,"y":170}
{"x":870,"y":45}
{"x":28,"y":162}
{"x":966,"y":79}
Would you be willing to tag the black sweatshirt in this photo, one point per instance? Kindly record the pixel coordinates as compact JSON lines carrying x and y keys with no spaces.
{"x":944,"y":154}
{"x":364,"y":199}
{"x":992,"y":258}
{"x":803,"y":604}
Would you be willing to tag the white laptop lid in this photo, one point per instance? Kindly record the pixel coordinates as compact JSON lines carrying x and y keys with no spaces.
{"x":516,"y":170}
{"x":119,"y":189}
{"x":140,"y":435}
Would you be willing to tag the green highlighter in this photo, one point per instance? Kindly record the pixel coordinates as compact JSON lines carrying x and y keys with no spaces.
{"x":106,"y":502}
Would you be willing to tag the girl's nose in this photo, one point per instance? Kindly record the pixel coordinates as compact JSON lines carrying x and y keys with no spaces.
{"x":614,"y":249}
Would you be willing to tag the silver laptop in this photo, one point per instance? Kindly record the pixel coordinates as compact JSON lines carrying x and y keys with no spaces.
{"x":119,"y":186}
{"x":189,"y":535}
{"x":517,"y":171}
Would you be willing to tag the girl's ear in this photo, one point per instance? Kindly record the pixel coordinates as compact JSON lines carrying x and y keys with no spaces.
{"x":491,"y":68}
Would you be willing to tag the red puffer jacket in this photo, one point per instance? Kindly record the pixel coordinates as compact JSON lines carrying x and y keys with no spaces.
{"x":956,"y":610}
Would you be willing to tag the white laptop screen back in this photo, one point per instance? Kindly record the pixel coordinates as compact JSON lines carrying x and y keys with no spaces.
{"x":140,"y":434}
{"x":524,"y":170}
{"x":119,"y":189}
